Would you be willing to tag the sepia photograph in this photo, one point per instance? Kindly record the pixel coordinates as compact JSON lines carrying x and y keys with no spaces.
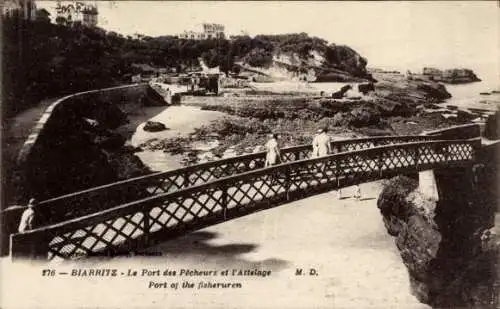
{"x":250,"y":154}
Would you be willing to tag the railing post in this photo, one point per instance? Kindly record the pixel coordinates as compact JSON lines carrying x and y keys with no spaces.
{"x":185,"y":181}
{"x":337,"y":174}
{"x":380,"y":164}
{"x":147,"y":225}
{"x":288,"y":175}
{"x":417,"y":156}
{"x":224,"y":189}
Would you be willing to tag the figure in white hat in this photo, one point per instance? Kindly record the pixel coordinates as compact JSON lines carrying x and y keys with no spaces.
{"x":28,"y":217}
{"x":321,"y":143}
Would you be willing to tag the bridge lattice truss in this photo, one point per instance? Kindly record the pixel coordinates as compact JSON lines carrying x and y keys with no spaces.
{"x":168,"y":204}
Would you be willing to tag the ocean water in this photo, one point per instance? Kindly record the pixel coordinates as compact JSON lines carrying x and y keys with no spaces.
{"x":469,"y":95}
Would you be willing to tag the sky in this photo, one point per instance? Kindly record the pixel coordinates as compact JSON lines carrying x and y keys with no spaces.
{"x":396,"y":35}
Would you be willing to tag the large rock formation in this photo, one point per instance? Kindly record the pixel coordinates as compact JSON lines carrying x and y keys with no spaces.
{"x":298,"y":56}
{"x":346,"y":59}
{"x":396,"y":95}
{"x":451,"y":76}
{"x":450,"y":247}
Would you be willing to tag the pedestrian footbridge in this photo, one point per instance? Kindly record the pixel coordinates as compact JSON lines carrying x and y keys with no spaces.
{"x":140,"y":212}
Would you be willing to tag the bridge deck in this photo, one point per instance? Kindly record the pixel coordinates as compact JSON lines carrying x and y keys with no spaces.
{"x":96,"y":199}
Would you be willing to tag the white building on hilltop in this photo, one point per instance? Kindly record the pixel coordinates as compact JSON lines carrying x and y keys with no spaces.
{"x":24,"y":8}
{"x":209,"y":31}
{"x":69,"y":12}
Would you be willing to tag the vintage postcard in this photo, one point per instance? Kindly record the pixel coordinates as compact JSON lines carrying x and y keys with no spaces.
{"x":250,"y":154}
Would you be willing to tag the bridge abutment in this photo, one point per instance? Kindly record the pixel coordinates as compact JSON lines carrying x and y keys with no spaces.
{"x":427,"y":184}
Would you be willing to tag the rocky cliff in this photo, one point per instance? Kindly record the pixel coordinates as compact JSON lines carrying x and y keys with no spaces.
{"x":450,"y":247}
{"x":299,"y":56}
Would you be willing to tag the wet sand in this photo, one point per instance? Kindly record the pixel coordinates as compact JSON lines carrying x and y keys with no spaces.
{"x":180,"y":121}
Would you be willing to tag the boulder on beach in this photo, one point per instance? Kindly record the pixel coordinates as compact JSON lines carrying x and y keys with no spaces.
{"x":154,"y":126}
{"x":365,"y":88}
{"x":433,"y":90}
{"x":341,"y":93}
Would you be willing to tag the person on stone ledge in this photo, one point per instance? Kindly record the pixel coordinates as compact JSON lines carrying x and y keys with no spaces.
{"x":28,"y":217}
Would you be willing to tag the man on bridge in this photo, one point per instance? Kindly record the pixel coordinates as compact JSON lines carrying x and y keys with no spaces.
{"x":322,"y":147}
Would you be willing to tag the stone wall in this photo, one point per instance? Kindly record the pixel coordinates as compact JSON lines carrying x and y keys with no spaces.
{"x":61,"y":155}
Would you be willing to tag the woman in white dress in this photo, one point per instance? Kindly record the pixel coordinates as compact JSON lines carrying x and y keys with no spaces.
{"x":273,"y":155}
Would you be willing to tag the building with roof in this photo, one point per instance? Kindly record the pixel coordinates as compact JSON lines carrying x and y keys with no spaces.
{"x":77,"y":12}
{"x":24,"y":8}
{"x":208,"y":31}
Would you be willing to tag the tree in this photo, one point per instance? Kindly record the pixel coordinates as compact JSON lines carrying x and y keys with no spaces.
{"x":42,"y":15}
{"x":61,"y":20}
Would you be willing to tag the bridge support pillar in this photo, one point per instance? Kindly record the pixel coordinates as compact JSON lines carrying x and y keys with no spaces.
{"x":427,"y":185}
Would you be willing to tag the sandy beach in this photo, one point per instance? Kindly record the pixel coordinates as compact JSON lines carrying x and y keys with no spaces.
{"x":180,"y":121}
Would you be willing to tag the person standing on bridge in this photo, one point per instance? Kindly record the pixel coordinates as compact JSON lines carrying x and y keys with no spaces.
{"x":28,"y":217}
{"x":322,"y":147}
{"x":273,"y":154}
{"x":322,"y":143}
{"x":314,"y":144}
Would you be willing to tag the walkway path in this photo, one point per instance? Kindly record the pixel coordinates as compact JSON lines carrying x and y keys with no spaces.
{"x":15,"y":132}
{"x":18,"y":128}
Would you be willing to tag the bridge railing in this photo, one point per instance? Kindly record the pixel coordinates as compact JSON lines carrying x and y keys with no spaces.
{"x":167,"y":215}
{"x":95,"y":199}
